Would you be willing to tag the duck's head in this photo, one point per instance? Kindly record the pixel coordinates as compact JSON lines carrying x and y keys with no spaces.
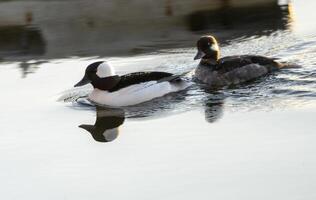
{"x":96,"y":71}
{"x":106,"y":127}
{"x":207,"y":48}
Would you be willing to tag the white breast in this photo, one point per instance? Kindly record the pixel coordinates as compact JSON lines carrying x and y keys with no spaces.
{"x":135,"y":94}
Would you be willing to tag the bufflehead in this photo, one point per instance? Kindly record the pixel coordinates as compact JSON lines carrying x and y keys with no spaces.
{"x":105,"y":128}
{"x":130,"y":89}
{"x":230,"y":70}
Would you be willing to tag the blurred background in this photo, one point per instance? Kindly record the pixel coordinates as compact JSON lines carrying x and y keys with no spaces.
{"x":62,"y":28}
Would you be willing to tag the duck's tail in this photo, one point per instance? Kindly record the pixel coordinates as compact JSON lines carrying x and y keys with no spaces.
{"x":283,"y":64}
{"x":174,"y":78}
{"x":288,"y":65}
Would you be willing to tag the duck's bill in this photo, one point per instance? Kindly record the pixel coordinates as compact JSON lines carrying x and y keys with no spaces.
{"x":87,"y":127}
{"x":85,"y":80}
{"x":199,"y":55}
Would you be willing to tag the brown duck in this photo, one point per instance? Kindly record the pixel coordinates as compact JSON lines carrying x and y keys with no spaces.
{"x":230,"y":70}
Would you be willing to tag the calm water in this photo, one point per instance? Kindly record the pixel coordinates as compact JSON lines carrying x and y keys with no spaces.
{"x":253,"y":141}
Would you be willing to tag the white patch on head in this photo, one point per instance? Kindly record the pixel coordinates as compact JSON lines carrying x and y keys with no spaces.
{"x":105,"y":70}
{"x":110,"y":134}
{"x":214,"y":47}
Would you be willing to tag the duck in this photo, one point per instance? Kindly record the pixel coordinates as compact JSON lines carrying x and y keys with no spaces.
{"x":219,"y":72}
{"x":130,"y":89}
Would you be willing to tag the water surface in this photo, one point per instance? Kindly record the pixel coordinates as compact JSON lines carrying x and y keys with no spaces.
{"x":252,"y":141}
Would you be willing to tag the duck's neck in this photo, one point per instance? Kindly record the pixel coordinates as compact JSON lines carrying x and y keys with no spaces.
{"x":105,"y":83}
{"x":208,"y":62}
{"x":210,"y":58}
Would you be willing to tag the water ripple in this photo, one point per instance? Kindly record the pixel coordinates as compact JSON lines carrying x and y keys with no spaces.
{"x":288,"y":87}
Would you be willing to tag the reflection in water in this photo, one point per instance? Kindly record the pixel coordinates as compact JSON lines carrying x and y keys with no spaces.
{"x":21,"y":41}
{"x":32,"y":34}
{"x":108,"y":120}
{"x":86,"y":28}
{"x":30,"y":66}
{"x":105,"y":128}
{"x":170,"y":103}
{"x":258,"y":19}
{"x":214,"y":106}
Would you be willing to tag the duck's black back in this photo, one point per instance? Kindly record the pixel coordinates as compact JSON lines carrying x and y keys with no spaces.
{"x":138,"y":77}
{"x":229,"y":63}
